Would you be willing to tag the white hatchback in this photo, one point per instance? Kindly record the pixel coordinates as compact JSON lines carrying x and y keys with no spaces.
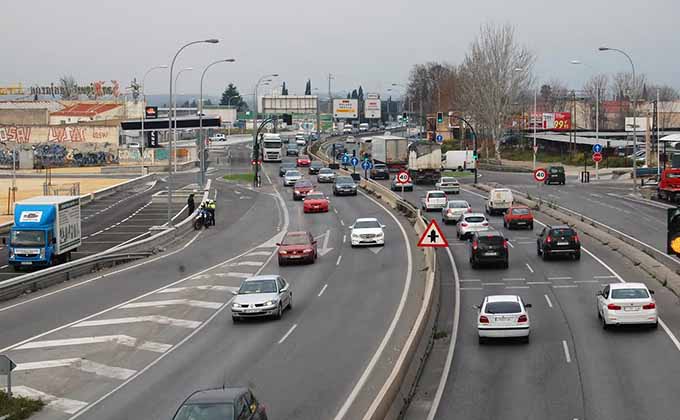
{"x":470,"y":223}
{"x":503,"y":316}
{"x":626,"y":303}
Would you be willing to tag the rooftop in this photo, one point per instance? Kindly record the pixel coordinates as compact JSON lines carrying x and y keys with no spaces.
{"x":85,"y":110}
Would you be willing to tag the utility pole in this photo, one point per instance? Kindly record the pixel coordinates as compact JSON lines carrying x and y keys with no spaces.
{"x":330,"y":95}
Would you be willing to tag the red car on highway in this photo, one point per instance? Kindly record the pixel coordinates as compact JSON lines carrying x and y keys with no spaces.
{"x":518,"y":216}
{"x":316,"y":202}
{"x":297,"y":246}
{"x":303,"y":160}
{"x":301,"y":189}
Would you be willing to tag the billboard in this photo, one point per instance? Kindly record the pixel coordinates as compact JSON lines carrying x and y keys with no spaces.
{"x":345,"y":108}
{"x":372,"y":96}
{"x":642,"y":123}
{"x":555,"y":121}
{"x":372,"y":108}
{"x":288,"y":104}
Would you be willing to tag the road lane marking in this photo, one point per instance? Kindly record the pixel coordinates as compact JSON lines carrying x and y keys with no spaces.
{"x":84,"y":365}
{"x":514,"y":279}
{"x":342,"y":222}
{"x":510,"y":244}
{"x":335,"y":210}
{"x":565,"y":286}
{"x":470,"y":280}
{"x":124,"y":340}
{"x":586,"y":281}
{"x":235,"y":274}
{"x":258,"y":253}
{"x":206,"y":288}
{"x":248,"y":263}
{"x":560,"y":278}
{"x":173,"y":302}
{"x":339,"y":259}
{"x":323,"y":289}
{"x":529,"y":267}
{"x":566,"y":351}
{"x":493,"y":284}
{"x":539,"y":282}
{"x":604,"y":277}
{"x":344,"y":238}
{"x":65,"y":405}
{"x":290,"y":331}
{"x":525,"y":242}
{"x":517,"y":287}
{"x":158,"y":319}
{"x":471,"y":288}
{"x":4,"y":266}
{"x":547,"y":299}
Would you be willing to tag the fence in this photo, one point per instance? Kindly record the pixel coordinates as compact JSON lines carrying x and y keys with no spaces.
{"x":61,"y":189}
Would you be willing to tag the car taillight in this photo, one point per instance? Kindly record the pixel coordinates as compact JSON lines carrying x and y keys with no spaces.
{"x":548,"y":239}
{"x":469,"y":210}
{"x":464,"y":224}
{"x":614,"y":307}
{"x":485,"y":224}
{"x":475,"y":244}
{"x":649,"y":306}
{"x":576,"y":238}
{"x":522,"y":318}
{"x":483,"y":319}
{"x":505,"y":244}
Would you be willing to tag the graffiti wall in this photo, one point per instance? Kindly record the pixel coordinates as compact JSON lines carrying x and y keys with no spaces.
{"x":59,"y":134}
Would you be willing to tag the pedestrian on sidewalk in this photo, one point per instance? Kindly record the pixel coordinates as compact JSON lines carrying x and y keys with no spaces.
{"x":191,"y":204}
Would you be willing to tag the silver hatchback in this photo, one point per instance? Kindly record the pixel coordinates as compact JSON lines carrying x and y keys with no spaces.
{"x":469,"y":223}
{"x":454,"y":209}
{"x":259,"y":296}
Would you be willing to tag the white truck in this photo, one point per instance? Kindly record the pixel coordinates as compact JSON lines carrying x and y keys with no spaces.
{"x":459,"y":160}
{"x":363,"y":127}
{"x":390,"y":150}
{"x":424,"y":161}
{"x":271,"y":147}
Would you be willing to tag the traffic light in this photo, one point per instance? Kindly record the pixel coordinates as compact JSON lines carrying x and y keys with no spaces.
{"x":440,"y":117}
{"x":475,"y":155}
{"x":404,"y":116}
{"x":287,"y":118}
{"x":673,"y":239}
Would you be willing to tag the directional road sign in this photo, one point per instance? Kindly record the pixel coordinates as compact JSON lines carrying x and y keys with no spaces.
{"x":433,"y":237}
{"x":597,"y":148}
{"x":345,"y":159}
{"x":6,"y":365}
{"x":439,"y":138}
{"x":597,"y":157}
{"x":366,"y":165}
{"x":354,"y":161}
{"x":540,"y":174}
{"x":403,"y":178}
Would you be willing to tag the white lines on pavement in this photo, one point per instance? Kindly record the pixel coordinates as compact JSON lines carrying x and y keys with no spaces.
{"x":547,"y":299}
{"x":323,"y":289}
{"x":248,"y":263}
{"x":80,"y":364}
{"x":342,"y":222}
{"x":59,"y":404}
{"x":566,"y":351}
{"x":525,"y":242}
{"x":4,"y":266}
{"x":560,"y":278}
{"x":604,"y":277}
{"x":510,"y":244}
{"x":470,"y":280}
{"x":514,"y":279}
{"x":471,"y":288}
{"x":123,"y":340}
{"x":259,"y":253}
{"x":235,"y":274}
{"x":158,"y":319}
{"x":517,"y":287}
{"x":335,"y":210}
{"x":565,"y":286}
{"x":586,"y":281}
{"x":339,"y":259}
{"x":529,"y":267}
{"x":171,"y":302}
{"x":290,"y":331}
{"x":344,"y":238}
{"x":539,"y":282}
{"x":212,"y":287}
{"x":493,"y":284}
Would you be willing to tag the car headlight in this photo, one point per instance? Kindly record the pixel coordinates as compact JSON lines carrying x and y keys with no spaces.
{"x":355,"y":235}
{"x":42,"y":252}
{"x":307,"y":250}
{"x":270,"y":303}
{"x":283,"y":252}
{"x":235,"y":305}
{"x":379,"y":235}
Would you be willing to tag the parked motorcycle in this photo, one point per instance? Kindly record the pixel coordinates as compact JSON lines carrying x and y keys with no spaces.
{"x":202,"y":219}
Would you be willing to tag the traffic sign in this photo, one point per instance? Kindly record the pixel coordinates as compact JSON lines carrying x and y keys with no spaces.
{"x":433,"y":237}
{"x":535,"y":149}
{"x":403,"y":178}
{"x":540,"y":174}
{"x":597,"y":157}
{"x":6,"y":365}
{"x":439,"y":138}
{"x":354,"y":161}
{"x":597,"y":148}
{"x":345,"y":159}
{"x":366,"y":165}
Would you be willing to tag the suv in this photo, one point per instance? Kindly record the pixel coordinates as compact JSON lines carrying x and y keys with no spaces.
{"x":556,"y":240}
{"x":555,"y":175}
{"x":433,"y":200}
{"x":380,"y":171}
{"x":488,"y":247}
{"x":228,"y":403}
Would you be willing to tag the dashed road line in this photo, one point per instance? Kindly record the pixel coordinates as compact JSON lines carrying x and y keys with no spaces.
{"x":529,"y":267}
{"x":566,"y":351}
{"x":471,"y":288}
{"x":560,"y":278}
{"x":323,"y":289}
{"x":547,"y":299}
{"x":290,"y":331}
{"x":539,"y":282}
{"x":339,"y":259}
{"x":565,"y":286}
{"x":514,"y":279}
{"x":493,"y":284}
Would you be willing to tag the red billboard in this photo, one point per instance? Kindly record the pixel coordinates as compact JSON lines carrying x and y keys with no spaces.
{"x":562,"y":122}
{"x":553,"y":121}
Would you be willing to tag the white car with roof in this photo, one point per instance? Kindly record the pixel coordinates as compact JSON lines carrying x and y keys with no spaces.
{"x":469,"y":223}
{"x":367,"y":231}
{"x":626,"y":303}
{"x":503,"y":316}
{"x":218,"y":137}
{"x":448,"y":184}
{"x":499,"y":201}
{"x":267,"y":295}
{"x":433,"y":200}
{"x":454,"y":209}
{"x":291,"y":177}
{"x":350,"y":139}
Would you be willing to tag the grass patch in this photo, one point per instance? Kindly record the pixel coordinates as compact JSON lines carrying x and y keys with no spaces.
{"x":239,"y":177}
{"x":457,"y":174}
{"x":576,"y":159}
{"x":18,"y":408}
{"x":440,"y":334}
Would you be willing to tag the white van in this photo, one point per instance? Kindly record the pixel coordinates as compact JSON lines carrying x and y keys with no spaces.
{"x":500,"y":200}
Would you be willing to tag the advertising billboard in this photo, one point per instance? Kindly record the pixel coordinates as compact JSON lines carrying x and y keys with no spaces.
{"x":555,"y":121}
{"x":372,"y":108}
{"x":345,"y":108}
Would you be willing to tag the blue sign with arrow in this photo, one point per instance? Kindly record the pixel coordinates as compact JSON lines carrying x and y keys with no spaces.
{"x":597,"y":148}
{"x":354,"y":161}
{"x":439,"y":138}
{"x":366,"y":165}
{"x":345,"y":159}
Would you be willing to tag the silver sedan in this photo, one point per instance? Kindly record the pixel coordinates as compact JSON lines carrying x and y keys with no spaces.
{"x":325,"y":175}
{"x":470,"y":223}
{"x":259,"y":296}
{"x":454,"y":209}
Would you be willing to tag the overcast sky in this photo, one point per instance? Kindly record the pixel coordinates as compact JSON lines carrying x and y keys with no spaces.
{"x":371,"y":42}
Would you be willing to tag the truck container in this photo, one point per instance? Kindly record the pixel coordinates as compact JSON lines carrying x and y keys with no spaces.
{"x":669,"y":185}
{"x":46,"y":230}
{"x":425,"y":161}
{"x":459,"y":160}
{"x":390,"y":150}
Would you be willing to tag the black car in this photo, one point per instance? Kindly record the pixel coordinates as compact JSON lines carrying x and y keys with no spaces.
{"x":344,"y":185}
{"x":380,"y":171}
{"x":488,"y":247}
{"x":555,"y":175}
{"x":558,"y":240}
{"x":221,"y":403}
{"x":314,"y":167}
{"x":292,"y":150}
{"x":285,"y":166}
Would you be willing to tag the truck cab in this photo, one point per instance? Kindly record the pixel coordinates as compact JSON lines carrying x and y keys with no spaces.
{"x":669,"y":185}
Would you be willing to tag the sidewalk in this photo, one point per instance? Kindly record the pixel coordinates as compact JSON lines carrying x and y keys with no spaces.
{"x":570,"y":170}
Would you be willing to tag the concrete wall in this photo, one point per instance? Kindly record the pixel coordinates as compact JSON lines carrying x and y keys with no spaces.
{"x":24,"y":116}
{"x":59,"y":134}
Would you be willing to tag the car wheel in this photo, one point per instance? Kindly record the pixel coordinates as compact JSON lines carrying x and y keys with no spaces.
{"x":281,"y":262}
{"x":531,"y":226}
{"x":506,"y":264}
{"x":279,"y":312}
{"x":538,"y":250}
{"x":577,"y":256}
{"x":599,"y":315}
{"x":655,"y":325}
{"x":290,"y":303}
{"x":604,"y":324}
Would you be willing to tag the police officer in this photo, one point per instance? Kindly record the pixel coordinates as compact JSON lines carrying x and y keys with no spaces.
{"x":211,"y":205}
{"x":191,"y":204}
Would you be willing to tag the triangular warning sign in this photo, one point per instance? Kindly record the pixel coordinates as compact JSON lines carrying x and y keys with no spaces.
{"x":433,"y":237}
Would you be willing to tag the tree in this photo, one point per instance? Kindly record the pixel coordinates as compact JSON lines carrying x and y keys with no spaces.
{"x":69,"y":87}
{"x":355,"y":95}
{"x":207,"y":102}
{"x":360,"y":93}
{"x":431,"y":83}
{"x":594,"y":88}
{"x":231,"y":96}
{"x":284,"y":89}
{"x":348,"y":96}
{"x":308,"y":87}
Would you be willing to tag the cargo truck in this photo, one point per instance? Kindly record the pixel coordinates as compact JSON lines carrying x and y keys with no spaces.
{"x":424,"y":161}
{"x":459,"y":160}
{"x":390,"y":150}
{"x":669,"y":185}
{"x":46,"y":230}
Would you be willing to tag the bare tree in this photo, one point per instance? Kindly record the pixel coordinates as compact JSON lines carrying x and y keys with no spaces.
{"x":431,"y":84}
{"x":594,"y":88}
{"x":494,"y":72}
{"x":554,"y":95}
{"x":69,"y":87}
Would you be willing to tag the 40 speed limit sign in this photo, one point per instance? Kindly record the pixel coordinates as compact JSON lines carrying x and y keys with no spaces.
{"x":403,"y":178}
{"x":540,"y":175}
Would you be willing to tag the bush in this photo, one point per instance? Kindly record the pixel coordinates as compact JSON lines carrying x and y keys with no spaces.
{"x":18,"y":408}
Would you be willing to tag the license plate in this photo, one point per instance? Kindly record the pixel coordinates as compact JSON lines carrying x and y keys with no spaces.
{"x":26,"y":263}
{"x":562,"y":243}
{"x":489,"y":254}
{"x":504,"y":318}
{"x":250,"y":311}
{"x":521,"y":223}
{"x":631,"y":308}
{"x":295,"y":256}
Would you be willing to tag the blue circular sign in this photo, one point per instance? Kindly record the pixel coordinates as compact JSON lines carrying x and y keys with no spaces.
{"x":366,"y":165}
{"x":439,"y":138}
{"x":597,"y":148}
{"x":354,"y":161}
{"x":345,"y":159}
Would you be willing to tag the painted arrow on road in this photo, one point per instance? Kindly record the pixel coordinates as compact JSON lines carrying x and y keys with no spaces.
{"x":324,"y":247}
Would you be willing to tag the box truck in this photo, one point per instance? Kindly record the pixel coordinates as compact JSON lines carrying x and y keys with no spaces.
{"x":425,"y":161}
{"x":390,"y":150}
{"x":459,"y":160}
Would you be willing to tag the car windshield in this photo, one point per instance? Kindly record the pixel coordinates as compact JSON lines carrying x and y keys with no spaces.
{"x":557,"y":170}
{"x":503,"y":308}
{"x":251,"y":287}
{"x":474,"y":219}
{"x":28,"y":238}
{"x":303,"y":184}
{"x":295,"y":240}
{"x":367,"y":224}
{"x":380,"y":166}
{"x":520,"y":211}
{"x":673,"y":175}
{"x":344,"y":180}
{"x":491,"y":240}
{"x":315,"y":196}
{"x":326,"y":171}
{"x":629,"y":294}
{"x":221,"y":411}
{"x":293,"y":173}
{"x":292,"y":147}
{"x":457,"y":204}
{"x":448,"y":180}
{"x":272,"y":144}
{"x":437,"y":195}
{"x":562,"y":232}
{"x":303,"y":157}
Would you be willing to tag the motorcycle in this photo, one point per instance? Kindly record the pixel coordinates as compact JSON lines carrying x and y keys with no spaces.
{"x":202,"y":219}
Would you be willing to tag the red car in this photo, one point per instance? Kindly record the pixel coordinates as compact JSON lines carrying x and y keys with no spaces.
{"x":303,"y":160}
{"x":297,"y":246}
{"x":301,"y":189}
{"x":315,"y":202}
{"x":518,"y":216}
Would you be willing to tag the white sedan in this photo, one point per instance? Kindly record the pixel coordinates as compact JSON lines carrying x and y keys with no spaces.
{"x":367,"y":231}
{"x":626,"y":303}
{"x":503,"y":316}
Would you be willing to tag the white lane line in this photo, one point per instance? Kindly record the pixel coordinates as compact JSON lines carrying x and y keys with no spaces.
{"x":64,"y":405}
{"x":470,"y":281}
{"x":234,"y":274}
{"x":323,"y":289}
{"x":80,"y":364}
{"x":158,"y":319}
{"x":248,"y":263}
{"x":526,"y":243}
{"x":97,"y":233}
{"x":514,"y":279}
{"x":339,"y":259}
{"x":586,"y":281}
{"x":493,"y":284}
{"x":4,"y":266}
{"x":471,"y":288}
{"x":560,"y":278}
{"x":172,"y":302}
{"x":290,"y":331}
{"x":335,"y":210}
{"x":342,"y":222}
{"x":510,"y":244}
{"x":547,"y":299}
{"x":529,"y":267}
{"x":539,"y":282}
{"x":604,"y":277}
{"x":124,"y":340}
{"x":344,"y":238}
{"x":565,"y":286}
{"x":259,"y":253}
{"x":517,"y":287}
{"x":566,"y":351}
{"x":206,"y":288}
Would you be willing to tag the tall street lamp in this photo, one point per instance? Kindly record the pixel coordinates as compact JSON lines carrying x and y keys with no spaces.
{"x":633,"y":95}
{"x":173,"y":150}
{"x":141,"y":143}
{"x":201,"y":142}
{"x":171,"y":126}
{"x":256,"y":156}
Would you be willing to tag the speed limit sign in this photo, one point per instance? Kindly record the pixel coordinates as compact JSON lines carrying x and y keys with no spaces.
{"x":403,"y":178}
{"x":539,"y":175}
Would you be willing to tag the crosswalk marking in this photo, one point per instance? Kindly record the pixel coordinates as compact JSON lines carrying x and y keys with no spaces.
{"x":259,"y":253}
{"x":212,"y":287}
{"x":171,"y":302}
{"x":235,"y":274}
{"x":158,"y":319}
{"x":80,"y":364}
{"x":124,"y":340}
{"x":248,"y":263}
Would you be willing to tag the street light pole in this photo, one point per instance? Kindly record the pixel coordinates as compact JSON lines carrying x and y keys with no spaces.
{"x":173,"y":151}
{"x":141,"y":143}
{"x":171,"y":126}
{"x":256,"y":150}
{"x":201,"y":143}
{"x":632,"y":65}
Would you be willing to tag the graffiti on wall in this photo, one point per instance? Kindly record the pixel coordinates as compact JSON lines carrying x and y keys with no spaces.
{"x":7,"y":158}
{"x":58,"y":134}
{"x":56,"y":155}
{"x":14,"y":133}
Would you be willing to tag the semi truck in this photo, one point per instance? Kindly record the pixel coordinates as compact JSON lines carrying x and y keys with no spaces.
{"x":390,"y":150}
{"x":424,"y":161}
{"x":272,"y":147}
{"x":46,"y":230}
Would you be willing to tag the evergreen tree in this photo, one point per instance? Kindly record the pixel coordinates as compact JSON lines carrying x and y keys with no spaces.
{"x":232,"y":97}
{"x":360,"y":94}
{"x":284,"y":89}
{"x":355,"y":95}
{"x":308,"y":87}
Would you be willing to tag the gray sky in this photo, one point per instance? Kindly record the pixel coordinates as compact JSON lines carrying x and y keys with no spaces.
{"x":371,"y":42}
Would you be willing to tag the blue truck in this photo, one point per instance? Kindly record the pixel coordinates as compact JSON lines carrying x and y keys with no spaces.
{"x":46,"y":230}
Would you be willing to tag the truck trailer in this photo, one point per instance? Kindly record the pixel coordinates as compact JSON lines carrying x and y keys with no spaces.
{"x":390,"y":150}
{"x":425,"y":161}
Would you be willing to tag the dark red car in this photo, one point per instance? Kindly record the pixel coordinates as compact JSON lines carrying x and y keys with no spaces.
{"x":301,"y":189}
{"x":518,"y":216}
{"x":297,"y":246}
{"x":303,"y":160}
{"x":316,"y":202}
